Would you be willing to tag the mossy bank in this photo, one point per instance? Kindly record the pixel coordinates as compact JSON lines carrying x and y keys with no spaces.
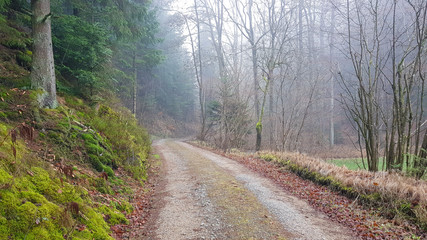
{"x":59,"y":167}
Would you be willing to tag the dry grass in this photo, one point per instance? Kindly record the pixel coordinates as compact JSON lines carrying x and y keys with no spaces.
{"x":392,"y":187}
{"x":337,"y":151}
{"x":389,"y":184}
{"x":394,"y":190}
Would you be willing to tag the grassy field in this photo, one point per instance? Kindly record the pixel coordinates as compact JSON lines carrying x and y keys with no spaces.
{"x":357,"y":164}
{"x":352,"y":163}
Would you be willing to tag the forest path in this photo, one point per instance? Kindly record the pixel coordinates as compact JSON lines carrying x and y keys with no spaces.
{"x":206,"y":196}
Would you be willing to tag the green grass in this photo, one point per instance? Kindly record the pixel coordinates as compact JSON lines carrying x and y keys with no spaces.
{"x":352,"y":163}
{"x":356,"y":164}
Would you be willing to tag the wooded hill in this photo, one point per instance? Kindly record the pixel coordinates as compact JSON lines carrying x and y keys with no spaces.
{"x":73,"y":150}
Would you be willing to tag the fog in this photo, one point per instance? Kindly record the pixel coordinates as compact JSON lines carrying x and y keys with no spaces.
{"x":306,"y":75}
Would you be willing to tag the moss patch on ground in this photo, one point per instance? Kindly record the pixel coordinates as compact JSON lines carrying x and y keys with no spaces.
{"x":60,"y":169}
{"x":57,"y":176}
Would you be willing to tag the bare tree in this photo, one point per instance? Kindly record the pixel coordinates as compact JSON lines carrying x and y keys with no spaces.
{"x":363,"y":104}
{"x":198,"y":68}
{"x":276,"y":23}
{"x":388,"y":58}
{"x":245,"y":22}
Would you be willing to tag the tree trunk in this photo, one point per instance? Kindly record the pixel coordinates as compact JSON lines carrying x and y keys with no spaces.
{"x":135,"y":84}
{"x":420,"y":164}
{"x":331,"y":49}
{"x":43,"y":68}
{"x":200,"y":75}
{"x":258,"y":136}
{"x":254,"y":58}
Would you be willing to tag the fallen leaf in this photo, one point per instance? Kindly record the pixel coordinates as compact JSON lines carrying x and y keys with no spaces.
{"x":81,"y":227}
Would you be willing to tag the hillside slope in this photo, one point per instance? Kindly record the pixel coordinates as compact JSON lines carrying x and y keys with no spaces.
{"x":69,"y":172}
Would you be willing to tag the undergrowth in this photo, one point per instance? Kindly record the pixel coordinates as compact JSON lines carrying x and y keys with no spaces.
{"x":58,"y":168}
{"x":369,"y":189}
{"x":64,"y":172}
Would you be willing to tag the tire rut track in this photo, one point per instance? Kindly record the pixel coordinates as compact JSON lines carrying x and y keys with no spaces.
{"x":211,"y":197}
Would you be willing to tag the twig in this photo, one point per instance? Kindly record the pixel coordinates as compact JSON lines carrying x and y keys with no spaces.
{"x":5,"y":138}
{"x":355,"y":200}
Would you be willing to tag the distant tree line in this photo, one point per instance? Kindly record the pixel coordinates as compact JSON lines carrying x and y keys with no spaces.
{"x":284,"y":66}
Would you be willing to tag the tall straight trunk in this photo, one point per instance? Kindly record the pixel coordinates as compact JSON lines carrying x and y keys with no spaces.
{"x":271,"y":111}
{"x":331,"y":49}
{"x":300,"y":43}
{"x":254,"y":59}
{"x":255,"y":79}
{"x":43,"y":67}
{"x":271,"y":65}
{"x":199,"y":74}
{"x":420,"y":164}
{"x":261,"y":115}
{"x":135,"y":84}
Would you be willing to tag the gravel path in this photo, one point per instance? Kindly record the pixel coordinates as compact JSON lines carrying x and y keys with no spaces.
{"x":181,"y":215}
{"x":206,"y":196}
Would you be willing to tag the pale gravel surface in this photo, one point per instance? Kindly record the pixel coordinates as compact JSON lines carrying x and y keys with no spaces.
{"x":180,"y":218}
{"x":188,"y":213}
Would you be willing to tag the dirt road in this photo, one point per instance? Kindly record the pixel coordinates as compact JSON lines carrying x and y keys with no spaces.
{"x":206,"y":196}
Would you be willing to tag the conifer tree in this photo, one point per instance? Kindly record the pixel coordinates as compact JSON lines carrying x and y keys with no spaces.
{"x":43,"y":68}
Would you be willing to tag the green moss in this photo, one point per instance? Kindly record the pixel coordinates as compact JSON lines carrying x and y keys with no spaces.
{"x":29,"y":211}
{"x":33,"y":200}
{"x":108,"y":170}
{"x":33,"y":197}
{"x":88,"y":138}
{"x":85,"y":234}
{"x":114,"y":217}
{"x":4,"y":231}
{"x":95,"y":222}
{"x":99,"y":157}
{"x":269,"y":157}
{"x":259,"y":126}
{"x":38,"y":233}
{"x":94,"y":148}
{"x":56,"y":137}
{"x":64,"y":126}
{"x":123,"y":206}
{"x":96,"y":163}
{"x":4,"y":177}
{"x":102,"y":186}
{"x":24,"y":184}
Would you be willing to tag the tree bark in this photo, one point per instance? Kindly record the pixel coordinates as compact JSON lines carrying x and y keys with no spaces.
{"x":421,"y":163}
{"x":43,"y":67}
{"x":331,"y":49}
{"x":135,"y":84}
